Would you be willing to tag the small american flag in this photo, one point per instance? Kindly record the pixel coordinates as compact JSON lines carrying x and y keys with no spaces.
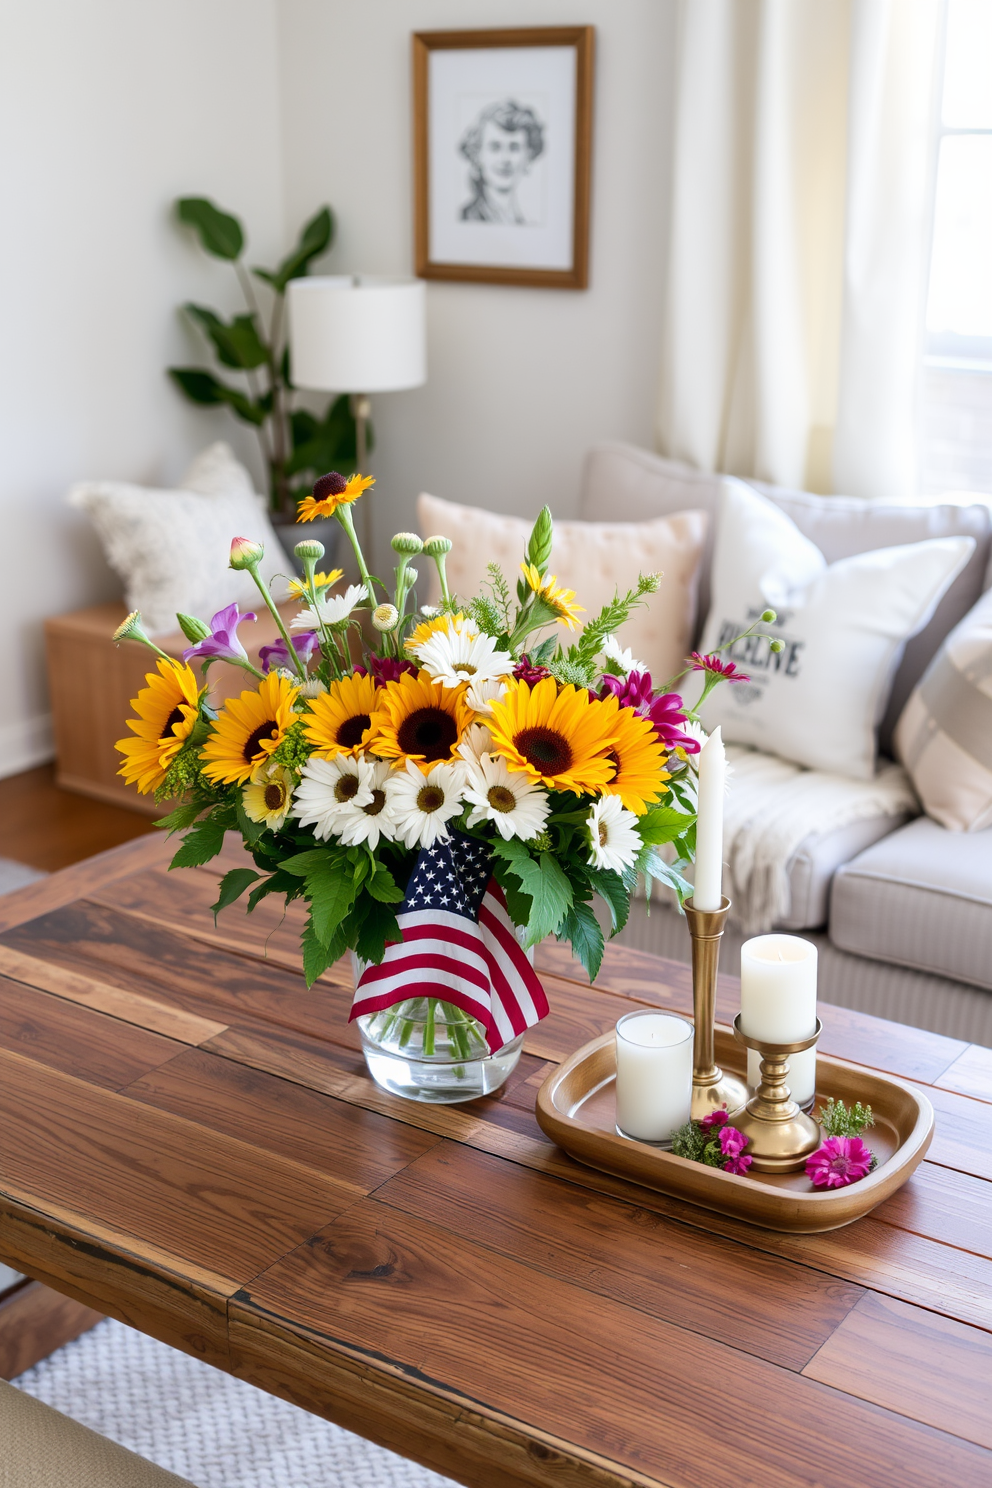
{"x":458,"y":945}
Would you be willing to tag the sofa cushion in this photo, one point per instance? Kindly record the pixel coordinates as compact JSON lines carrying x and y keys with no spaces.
{"x":593,"y":558}
{"x":812,"y":867}
{"x":631,"y":485}
{"x":922,"y":898}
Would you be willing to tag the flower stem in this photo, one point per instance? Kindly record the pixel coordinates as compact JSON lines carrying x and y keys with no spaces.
{"x":263,"y":590}
{"x":343,"y":514}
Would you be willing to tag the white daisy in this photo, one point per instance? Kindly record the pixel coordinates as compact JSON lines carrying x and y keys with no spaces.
{"x":622,"y":659}
{"x":332,"y":610}
{"x":376,"y":818}
{"x":615,"y":838}
{"x":327,"y":787}
{"x":514,"y":803}
{"x":477,"y":741}
{"x":465,"y":626}
{"x":460,"y":657}
{"x":424,"y":804}
{"x":481,"y":695}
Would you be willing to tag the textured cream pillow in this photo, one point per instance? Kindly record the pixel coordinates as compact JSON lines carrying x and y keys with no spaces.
{"x":944,"y":733}
{"x":593,"y":558}
{"x":171,"y":548}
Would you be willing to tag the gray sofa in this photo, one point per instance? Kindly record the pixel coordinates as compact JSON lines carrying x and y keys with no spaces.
{"x":901,"y":909}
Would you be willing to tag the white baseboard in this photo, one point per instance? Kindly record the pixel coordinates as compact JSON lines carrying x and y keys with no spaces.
{"x":25,"y":744}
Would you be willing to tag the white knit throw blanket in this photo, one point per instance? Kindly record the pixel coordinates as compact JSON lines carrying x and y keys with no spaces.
{"x":772,"y":807}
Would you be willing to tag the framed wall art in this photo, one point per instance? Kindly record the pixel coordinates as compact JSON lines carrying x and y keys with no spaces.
{"x":502,"y":128}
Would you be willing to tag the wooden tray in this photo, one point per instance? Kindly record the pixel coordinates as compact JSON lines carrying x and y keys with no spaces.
{"x":576,"y":1108}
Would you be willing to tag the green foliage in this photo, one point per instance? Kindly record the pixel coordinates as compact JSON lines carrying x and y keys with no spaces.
{"x":328,"y":443}
{"x":689,"y":1142}
{"x":377,"y":927}
{"x":543,"y":882}
{"x":609,"y":619}
{"x":220,"y":234}
{"x":329,"y":879}
{"x":203,"y":842}
{"x":383,"y":886}
{"x":293,"y":751}
{"x":207,"y":390}
{"x":486,"y":616}
{"x":838,"y":1120}
{"x":315,"y":239}
{"x":541,"y":537}
{"x":232,"y":886}
{"x":501,"y":594}
{"x":183,"y":816}
{"x":581,"y":927}
{"x":611,"y":888}
{"x":663,"y":824}
{"x":237,"y":343}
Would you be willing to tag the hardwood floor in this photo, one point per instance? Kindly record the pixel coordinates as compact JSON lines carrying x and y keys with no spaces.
{"x":49,"y":828}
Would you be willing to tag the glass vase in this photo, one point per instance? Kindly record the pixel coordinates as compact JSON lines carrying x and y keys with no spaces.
{"x":428,"y":1050}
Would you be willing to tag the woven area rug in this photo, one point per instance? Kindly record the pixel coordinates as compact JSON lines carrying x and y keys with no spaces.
{"x":203,"y":1424}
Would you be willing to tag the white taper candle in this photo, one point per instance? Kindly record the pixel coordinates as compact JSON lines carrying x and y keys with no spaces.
{"x":707,"y":893}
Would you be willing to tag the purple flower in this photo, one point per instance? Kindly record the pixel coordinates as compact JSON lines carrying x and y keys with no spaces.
{"x":223,"y":640}
{"x":725,"y":669}
{"x":714,"y":1118}
{"x":738,"y":1164}
{"x":732,"y":1142}
{"x":276,"y":655}
{"x":389,"y":668}
{"x":840,"y":1161}
{"x":665,"y":711}
{"x":525,"y":671}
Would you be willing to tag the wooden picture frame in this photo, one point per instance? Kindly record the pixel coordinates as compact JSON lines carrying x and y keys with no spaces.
{"x":502,"y":136}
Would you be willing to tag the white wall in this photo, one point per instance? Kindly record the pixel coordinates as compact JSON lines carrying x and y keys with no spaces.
{"x":521,"y":381}
{"x":108,"y":110}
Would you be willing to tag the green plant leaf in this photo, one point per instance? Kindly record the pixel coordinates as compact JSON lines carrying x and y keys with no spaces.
{"x":378,"y":926}
{"x":238,"y":343}
{"x":330,"y":887}
{"x":663,"y":824}
{"x":667,"y":873}
{"x":610,"y":887}
{"x":200,"y":844}
{"x":232,"y":886}
{"x":315,"y":238}
{"x":182,"y":816}
{"x":219,"y":232}
{"x":549,"y":890}
{"x":252,"y":831}
{"x":329,"y":443}
{"x":582,"y":929}
{"x":202,"y":387}
{"x":317,"y":957}
{"x":383,"y":886}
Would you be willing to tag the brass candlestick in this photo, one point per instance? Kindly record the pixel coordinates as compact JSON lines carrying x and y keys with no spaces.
{"x":711,"y":1088}
{"x":780,"y":1136}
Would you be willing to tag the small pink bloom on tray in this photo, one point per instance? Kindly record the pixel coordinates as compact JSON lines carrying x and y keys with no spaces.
{"x":715,"y":1118}
{"x":840,"y":1161}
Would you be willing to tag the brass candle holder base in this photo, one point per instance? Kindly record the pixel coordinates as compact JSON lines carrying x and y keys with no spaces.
{"x":780,"y":1136}
{"x":711,"y":1088}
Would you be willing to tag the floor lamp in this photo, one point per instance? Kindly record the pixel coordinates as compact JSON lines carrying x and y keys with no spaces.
{"x":357,"y":334}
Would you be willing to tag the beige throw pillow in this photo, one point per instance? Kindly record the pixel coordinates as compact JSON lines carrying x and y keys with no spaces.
{"x":944,"y":734}
{"x":595,"y":559}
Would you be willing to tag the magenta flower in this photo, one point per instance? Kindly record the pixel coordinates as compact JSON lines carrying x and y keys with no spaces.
{"x":714,"y":1118}
{"x":389,"y":668}
{"x":732,"y":1142}
{"x":223,"y":642}
{"x":525,"y":672}
{"x":276,"y":655}
{"x":665,"y":711}
{"x":737,"y":1163}
{"x":725,"y":669}
{"x":840,"y":1161}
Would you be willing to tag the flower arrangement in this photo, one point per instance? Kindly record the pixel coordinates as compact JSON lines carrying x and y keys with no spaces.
{"x":842,"y":1158}
{"x":356,"y":747}
{"x":713,"y":1141}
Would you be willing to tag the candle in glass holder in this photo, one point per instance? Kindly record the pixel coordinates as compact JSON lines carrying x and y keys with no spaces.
{"x":654,"y":1075}
{"x":707,"y":893}
{"x":778,"y":1004}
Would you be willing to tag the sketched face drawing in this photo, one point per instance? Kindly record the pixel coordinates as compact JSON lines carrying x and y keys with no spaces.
{"x":500,"y":146}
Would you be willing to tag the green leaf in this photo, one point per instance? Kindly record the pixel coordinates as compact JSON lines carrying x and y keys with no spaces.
{"x":252,"y":831}
{"x":204,"y":388}
{"x":667,"y":873}
{"x":315,"y":239}
{"x":330,"y":887}
{"x":327,"y":444}
{"x":317,"y":957}
{"x":237,"y":344}
{"x":610,"y":887}
{"x":261,"y":891}
{"x":219,"y":232}
{"x":378,"y":926}
{"x":383,"y":886}
{"x":200,"y":844}
{"x":232,"y":886}
{"x":183,"y":815}
{"x":663,"y":824}
{"x":549,"y":889}
{"x":582,"y":929}
{"x":541,"y":537}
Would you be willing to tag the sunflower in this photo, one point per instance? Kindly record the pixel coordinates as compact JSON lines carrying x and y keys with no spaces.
{"x":339,"y":720}
{"x":167,"y":710}
{"x":638,"y":760}
{"x":268,"y":798}
{"x":298,"y":587}
{"x":330,"y":492}
{"x":561,"y":600}
{"x":444,"y":624}
{"x":248,"y":729}
{"x":419,"y":719}
{"x":561,"y":738}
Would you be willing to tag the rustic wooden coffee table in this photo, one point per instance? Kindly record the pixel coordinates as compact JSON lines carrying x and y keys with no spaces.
{"x":189,"y":1142}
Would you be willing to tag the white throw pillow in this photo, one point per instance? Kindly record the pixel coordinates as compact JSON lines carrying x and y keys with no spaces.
{"x":171,"y":548}
{"x":595,"y":559}
{"x":817,"y":702}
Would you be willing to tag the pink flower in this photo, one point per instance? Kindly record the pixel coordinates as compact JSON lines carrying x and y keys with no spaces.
{"x":738,"y":1164}
{"x":840,"y":1161}
{"x":525,"y":671}
{"x":665,"y":711}
{"x":245,"y":553}
{"x":726,"y":669}
{"x":388,"y":668}
{"x":715,"y":1118}
{"x":732,"y":1142}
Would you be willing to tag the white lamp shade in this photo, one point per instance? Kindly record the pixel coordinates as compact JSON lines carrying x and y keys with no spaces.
{"x":357,"y":334}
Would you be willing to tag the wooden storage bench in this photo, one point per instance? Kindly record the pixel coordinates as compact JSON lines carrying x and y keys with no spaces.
{"x":92,"y":682}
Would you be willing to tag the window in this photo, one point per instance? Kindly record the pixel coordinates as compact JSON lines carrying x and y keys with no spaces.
{"x":956,"y":426}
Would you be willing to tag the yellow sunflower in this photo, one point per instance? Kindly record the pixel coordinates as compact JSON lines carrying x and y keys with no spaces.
{"x":166,"y":710}
{"x":561,"y":738}
{"x":247,"y":731}
{"x":267,"y":798}
{"x":561,"y":600}
{"x":298,"y":587}
{"x":330,"y":492}
{"x":339,"y":721}
{"x":419,"y":719}
{"x":427,"y":628}
{"x":638,"y":760}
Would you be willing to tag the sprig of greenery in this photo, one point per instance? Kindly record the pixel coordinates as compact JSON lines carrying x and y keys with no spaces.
{"x":839,"y":1120}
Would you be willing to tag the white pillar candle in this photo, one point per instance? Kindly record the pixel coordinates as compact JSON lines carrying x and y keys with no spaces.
{"x":778,"y":1003}
{"x":654,"y":1075}
{"x":707,"y":893}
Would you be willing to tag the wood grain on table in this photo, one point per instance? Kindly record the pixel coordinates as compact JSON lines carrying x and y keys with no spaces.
{"x":189,"y":1141}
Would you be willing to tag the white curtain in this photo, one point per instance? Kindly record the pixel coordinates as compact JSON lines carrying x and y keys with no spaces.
{"x":799,"y":248}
